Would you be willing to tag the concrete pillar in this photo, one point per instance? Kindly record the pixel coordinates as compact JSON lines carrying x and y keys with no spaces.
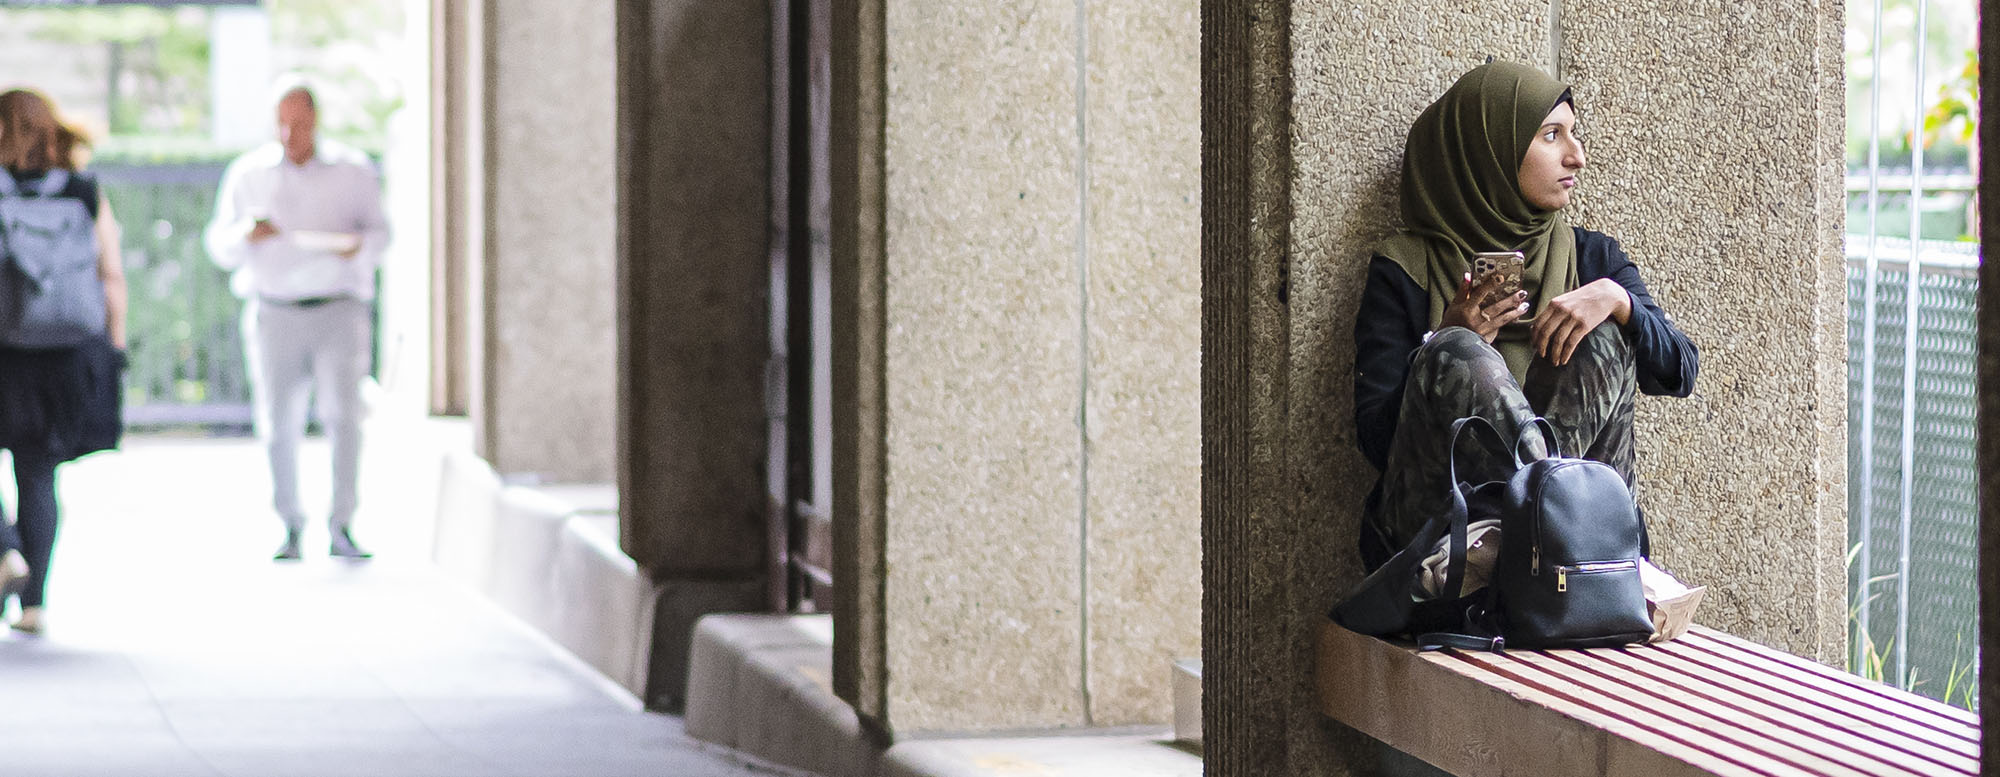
{"x":545,"y":406}
{"x":1305,"y":109}
{"x":693,"y":277}
{"x":1015,"y":310}
{"x":458,"y":200}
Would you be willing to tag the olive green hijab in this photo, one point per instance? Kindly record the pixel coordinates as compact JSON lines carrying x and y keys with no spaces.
{"x":1462,"y":193}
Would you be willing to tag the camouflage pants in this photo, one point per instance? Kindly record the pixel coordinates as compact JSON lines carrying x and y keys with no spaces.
{"x":1456,"y":374}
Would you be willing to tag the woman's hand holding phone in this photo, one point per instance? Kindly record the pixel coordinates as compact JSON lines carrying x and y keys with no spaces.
{"x":1484,"y":320}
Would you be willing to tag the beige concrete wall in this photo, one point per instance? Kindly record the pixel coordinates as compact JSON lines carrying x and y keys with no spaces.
{"x":984,"y":591}
{"x":549,"y":273}
{"x":1738,"y":234}
{"x":1753,"y":466}
{"x":1143,"y":306}
{"x":1039,"y":420}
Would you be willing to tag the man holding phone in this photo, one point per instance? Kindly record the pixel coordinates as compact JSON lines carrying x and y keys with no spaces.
{"x":300,"y":224}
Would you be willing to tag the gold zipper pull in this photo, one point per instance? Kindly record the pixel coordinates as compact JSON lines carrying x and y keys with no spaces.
{"x":1562,"y":580}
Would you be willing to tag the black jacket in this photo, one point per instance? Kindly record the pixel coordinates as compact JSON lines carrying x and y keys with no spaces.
{"x":1395,"y":313}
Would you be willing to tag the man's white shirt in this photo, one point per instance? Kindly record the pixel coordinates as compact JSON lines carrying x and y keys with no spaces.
{"x":336,"y":192}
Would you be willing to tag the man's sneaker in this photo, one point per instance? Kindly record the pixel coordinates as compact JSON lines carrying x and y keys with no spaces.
{"x":290,"y":550}
{"x":344,"y":547}
{"x":13,"y":574}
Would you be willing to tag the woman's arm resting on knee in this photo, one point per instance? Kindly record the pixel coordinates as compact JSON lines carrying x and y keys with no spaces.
{"x":1570,"y":316}
{"x":1667,"y":360}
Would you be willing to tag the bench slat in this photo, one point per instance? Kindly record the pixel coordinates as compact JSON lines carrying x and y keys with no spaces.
{"x":1826,"y":728}
{"x":1749,"y":730}
{"x":1918,"y":708}
{"x":1708,"y":703}
{"x":1830,"y":694}
{"x":1475,"y":723}
{"x":1663,"y":716}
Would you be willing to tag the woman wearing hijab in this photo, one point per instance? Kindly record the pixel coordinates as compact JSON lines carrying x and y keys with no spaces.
{"x":1489,"y":167}
{"x":55,"y":403}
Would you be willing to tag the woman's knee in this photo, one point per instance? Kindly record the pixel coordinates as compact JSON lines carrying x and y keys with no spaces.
{"x":1456,"y":349}
{"x":1605,"y":350}
{"x":1454,"y":345}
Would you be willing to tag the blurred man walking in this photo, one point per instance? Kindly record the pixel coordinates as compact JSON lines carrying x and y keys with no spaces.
{"x":299,"y":221}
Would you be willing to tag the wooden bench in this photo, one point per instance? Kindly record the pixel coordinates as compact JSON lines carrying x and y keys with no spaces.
{"x":1708,"y":703}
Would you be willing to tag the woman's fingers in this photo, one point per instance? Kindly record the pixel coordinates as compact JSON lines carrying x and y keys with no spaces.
{"x":1551,"y":328}
{"x":1501,"y":314}
{"x":1552,"y":347}
{"x":1504,"y":312}
{"x":1571,"y":339}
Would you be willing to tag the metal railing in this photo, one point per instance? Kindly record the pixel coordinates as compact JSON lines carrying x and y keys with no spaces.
{"x":1912,"y":357}
{"x":1913,"y":501}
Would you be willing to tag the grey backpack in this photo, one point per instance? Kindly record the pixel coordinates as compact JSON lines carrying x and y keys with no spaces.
{"x":50,"y":295}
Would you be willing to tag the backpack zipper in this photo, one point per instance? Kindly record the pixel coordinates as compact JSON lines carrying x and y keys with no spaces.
{"x":1563,"y":570}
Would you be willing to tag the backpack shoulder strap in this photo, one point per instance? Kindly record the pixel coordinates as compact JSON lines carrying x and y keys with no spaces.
{"x":1454,"y":579}
{"x":1477,"y":422}
{"x":1548,"y":430}
{"x":53,"y":182}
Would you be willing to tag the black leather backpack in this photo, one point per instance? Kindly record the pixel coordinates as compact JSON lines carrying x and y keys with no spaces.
{"x":1568,"y":568}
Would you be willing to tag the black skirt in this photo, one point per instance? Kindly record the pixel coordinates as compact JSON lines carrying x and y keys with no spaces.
{"x":63,"y":402}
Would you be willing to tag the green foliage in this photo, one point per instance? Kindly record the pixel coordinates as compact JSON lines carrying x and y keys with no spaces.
{"x":350,"y":48}
{"x":1869,"y":660}
{"x":158,"y":62}
{"x":1957,"y":107}
{"x":1947,"y":46}
{"x":1959,"y":688}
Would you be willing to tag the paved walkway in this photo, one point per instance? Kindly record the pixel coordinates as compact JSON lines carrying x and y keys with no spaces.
{"x":176,"y":647}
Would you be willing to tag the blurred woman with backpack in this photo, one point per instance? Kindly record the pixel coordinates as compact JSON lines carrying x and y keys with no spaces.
{"x":59,"y":393}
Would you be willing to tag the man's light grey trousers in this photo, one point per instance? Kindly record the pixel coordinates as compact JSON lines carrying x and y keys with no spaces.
{"x":295,"y":352}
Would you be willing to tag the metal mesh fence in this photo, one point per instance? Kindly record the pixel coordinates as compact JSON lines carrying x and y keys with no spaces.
{"x":1934,"y":607}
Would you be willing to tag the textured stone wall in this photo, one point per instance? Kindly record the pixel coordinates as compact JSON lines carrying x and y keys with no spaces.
{"x":549,"y":318}
{"x":984,"y":587}
{"x":1033,"y":559}
{"x":1143,"y":305}
{"x":1736,"y":231}
{"x":1251,"y":702}
{"x":855,"y":155}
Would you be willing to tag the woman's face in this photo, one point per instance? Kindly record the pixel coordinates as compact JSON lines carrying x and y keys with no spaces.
{"x":1548,"y":172}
